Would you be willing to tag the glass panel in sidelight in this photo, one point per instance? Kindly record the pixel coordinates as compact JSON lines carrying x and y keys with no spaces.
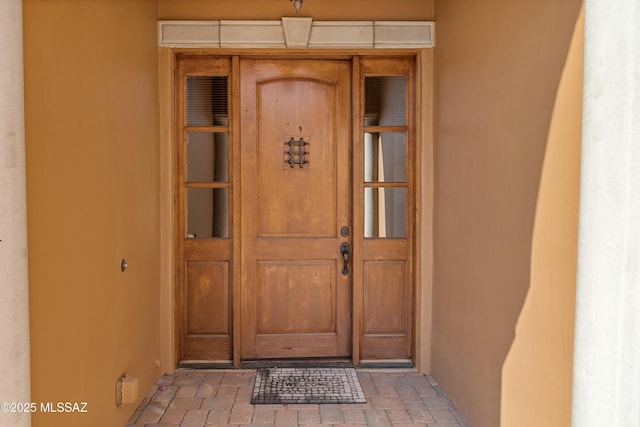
{"x":385,"y":212}
{"x":208,"y":213}
{"x":385,"y":101}
{"x":385,"y":157}
{"x":207,"y":101}
{"x":208,"y":157}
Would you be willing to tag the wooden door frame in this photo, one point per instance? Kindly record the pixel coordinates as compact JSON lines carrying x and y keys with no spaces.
{"x":423,"y":193}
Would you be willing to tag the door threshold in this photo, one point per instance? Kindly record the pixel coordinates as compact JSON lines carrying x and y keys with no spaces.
{"x":387,"y":364}
{"x":297,"y":363}
{"x":206,"y":364}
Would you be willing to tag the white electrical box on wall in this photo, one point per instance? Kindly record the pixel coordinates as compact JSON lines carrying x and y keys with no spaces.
{"x":126,"y":390}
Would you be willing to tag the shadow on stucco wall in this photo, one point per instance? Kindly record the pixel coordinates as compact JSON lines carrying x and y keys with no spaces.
{"x":508,"y":105}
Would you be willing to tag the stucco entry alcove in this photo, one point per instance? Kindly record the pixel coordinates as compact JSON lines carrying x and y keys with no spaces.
{"x":296,"y":35}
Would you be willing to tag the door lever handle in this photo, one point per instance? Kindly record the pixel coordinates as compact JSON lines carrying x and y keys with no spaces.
{"x":345,"y":249}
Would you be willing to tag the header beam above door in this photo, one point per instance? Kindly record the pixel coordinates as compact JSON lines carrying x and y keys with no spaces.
{"x":296,"y":33}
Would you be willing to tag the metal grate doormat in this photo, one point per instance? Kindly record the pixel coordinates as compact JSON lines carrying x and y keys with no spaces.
{"x":307,"y":385}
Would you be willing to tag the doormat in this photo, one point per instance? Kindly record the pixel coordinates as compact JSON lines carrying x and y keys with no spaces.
{"x":307,"y":385}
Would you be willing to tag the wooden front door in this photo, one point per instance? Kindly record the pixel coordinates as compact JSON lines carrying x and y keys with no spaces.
{"x":296,"y":208}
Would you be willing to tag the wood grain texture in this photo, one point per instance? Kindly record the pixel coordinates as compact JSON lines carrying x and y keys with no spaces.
{"x":295,"y":301}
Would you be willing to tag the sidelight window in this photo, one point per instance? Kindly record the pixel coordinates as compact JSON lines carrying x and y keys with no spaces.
{"x":385,"y":156}
{"x":206,"y":157}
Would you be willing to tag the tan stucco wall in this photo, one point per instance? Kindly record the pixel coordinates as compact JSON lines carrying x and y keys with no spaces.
{"x":93,"y":184}
{"x":318,"y":9}
{"x":508,"y":129}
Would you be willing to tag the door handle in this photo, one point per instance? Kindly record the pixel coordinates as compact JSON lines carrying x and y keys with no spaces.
{"x":345,"y":249}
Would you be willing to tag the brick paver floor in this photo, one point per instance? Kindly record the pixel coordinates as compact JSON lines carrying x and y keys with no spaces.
{"x":204,"y":398}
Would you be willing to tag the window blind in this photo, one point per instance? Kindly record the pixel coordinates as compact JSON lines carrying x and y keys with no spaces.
{"x":207,"y":100}
{"x":385,"y":101}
